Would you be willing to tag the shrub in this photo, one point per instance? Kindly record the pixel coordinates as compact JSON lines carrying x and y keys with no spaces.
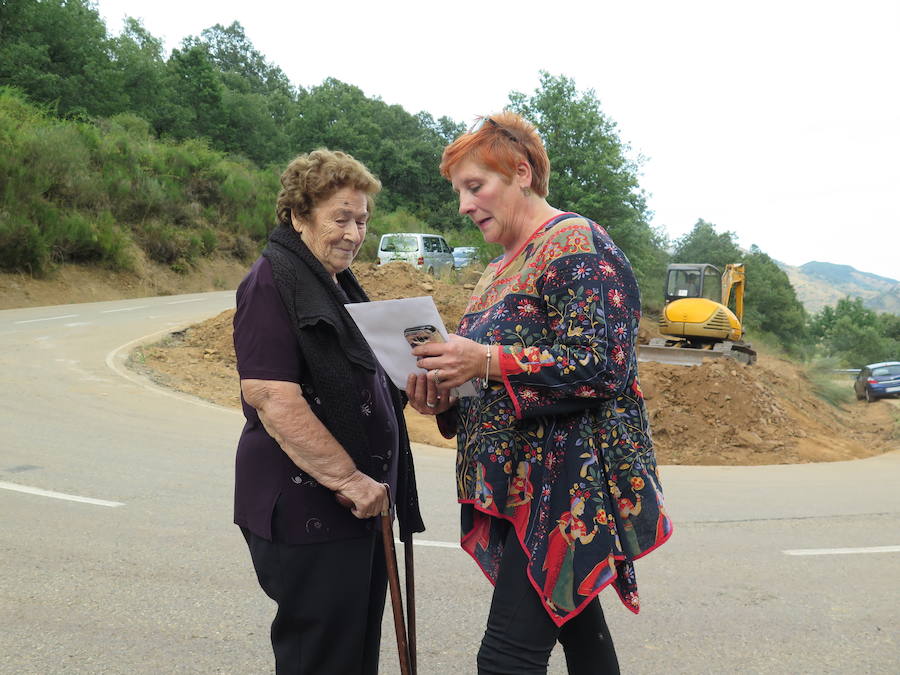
{"x":209,"y":242}
{"x":242,"y":247}
{"x":22,"y":247}
{"x":73,"y":236}
{"x":162,"y":243}
{"x":85,"y":192}
{"x":59,"y":158}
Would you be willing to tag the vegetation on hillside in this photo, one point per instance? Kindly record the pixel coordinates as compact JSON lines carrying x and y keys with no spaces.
{"x":106,"y":143}
{"x":218,"y":97}
{"x":80,"y":191}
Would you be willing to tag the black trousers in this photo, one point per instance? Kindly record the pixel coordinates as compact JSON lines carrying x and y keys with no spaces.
{"x":330,"y":599}
{"x":520,"y":635}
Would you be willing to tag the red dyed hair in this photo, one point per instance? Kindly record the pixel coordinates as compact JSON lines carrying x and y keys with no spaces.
{"x":500,"y":143}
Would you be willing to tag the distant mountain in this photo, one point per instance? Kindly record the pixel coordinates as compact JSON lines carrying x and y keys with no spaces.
{"x":818,"y":284}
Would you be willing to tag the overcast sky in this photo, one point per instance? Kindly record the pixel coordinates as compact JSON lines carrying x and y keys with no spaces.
{"x":779,"y":121}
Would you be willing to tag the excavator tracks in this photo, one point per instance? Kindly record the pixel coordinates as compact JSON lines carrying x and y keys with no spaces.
{"x":658,"y":352}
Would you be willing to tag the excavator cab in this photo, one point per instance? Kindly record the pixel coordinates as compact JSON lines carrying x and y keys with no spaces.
{"x":693,"y":281}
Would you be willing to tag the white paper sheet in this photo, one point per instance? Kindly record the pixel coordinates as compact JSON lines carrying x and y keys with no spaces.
{"x":382,"y":324}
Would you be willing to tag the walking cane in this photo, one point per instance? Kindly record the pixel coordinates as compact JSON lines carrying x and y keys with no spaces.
{"x":406,"y":643}
{"x":410,"y":601}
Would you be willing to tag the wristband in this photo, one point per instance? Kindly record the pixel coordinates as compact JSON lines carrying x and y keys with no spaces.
{"x":487,"y":368}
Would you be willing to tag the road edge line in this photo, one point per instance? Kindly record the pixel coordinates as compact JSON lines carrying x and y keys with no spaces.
{"x":842,"y":551}
{"x":115,"y":362}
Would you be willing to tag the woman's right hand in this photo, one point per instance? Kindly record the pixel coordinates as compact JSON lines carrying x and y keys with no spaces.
{"x":365,"y":496}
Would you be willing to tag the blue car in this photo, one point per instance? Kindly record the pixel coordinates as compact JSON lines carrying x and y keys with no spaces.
{"x":878,"y":380}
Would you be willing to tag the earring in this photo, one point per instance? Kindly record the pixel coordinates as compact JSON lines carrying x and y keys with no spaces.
{"x":526,"y":192}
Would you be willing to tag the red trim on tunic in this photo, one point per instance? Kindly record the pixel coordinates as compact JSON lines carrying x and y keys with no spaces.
{"x":509,"y":366}
{"x":658,"y":543}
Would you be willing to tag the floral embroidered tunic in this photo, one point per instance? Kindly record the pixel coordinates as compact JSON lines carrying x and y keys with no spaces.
{"x":561,"y":447}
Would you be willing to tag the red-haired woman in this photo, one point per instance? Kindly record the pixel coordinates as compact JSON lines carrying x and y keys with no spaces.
{"x":549,"y":337}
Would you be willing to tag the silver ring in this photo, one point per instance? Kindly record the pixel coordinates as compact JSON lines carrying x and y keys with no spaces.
{"x":431,"y":405}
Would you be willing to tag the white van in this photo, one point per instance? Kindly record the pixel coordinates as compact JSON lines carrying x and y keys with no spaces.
{"x":427,"y":252}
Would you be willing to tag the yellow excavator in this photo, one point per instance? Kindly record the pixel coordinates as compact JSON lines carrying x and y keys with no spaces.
{"x":696,"y":319}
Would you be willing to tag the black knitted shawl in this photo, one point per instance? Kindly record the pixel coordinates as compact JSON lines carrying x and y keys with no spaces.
{"x":330,"y":346}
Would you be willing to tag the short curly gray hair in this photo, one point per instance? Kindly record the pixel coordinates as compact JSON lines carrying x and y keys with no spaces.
{"x":314,"y":177}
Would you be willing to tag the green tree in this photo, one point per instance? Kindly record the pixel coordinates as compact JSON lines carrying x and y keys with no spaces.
{"x":248,"y":128}
{"x":822,"y":323}
{"x":403,"y":150}
{"x":855,"y":334}
{"x":704,"y":245}
{"x":197,"y":93}
{"x":256,"y":100}
{"x":889,"y":325}
{"x":770,"y":302}
{"x":58,"y":52}
{"x":142,"y":69}
{"x":855,"y":345}
{"x":232,"y":52}
{"x":444,"y":128}
{"x":591,"y":172}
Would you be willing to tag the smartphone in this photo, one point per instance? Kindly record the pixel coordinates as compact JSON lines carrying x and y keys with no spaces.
{"x":419,"y":335}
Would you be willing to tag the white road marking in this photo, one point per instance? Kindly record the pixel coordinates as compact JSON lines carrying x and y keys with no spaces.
{"x":433,"y":544}
{"x":49,"y":318}
{"x":181,"y":302}
{"x":842,"y":551}
{"x":77,"y":323}
{"x":123,"y":309}
{"x":57,"y":495}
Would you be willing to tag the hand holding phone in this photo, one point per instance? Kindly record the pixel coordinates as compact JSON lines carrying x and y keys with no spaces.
{"x":419,"y":335}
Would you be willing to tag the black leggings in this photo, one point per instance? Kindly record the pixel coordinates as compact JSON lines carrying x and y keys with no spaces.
{"x":520,"y":635}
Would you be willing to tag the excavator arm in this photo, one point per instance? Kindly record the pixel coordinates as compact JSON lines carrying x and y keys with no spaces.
{"x":733,"y":279}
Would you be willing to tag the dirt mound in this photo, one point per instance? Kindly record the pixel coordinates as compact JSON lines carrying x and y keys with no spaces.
{"x":721,"y":412}
{"x":399,"y":280}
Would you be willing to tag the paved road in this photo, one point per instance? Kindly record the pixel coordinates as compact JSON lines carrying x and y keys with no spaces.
{"x":161,"y":583}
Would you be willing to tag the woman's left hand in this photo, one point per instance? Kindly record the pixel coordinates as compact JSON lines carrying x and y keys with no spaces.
{"x":456,"y":361}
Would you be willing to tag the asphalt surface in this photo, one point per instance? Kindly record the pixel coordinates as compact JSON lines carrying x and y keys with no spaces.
{"x":154,"y":578}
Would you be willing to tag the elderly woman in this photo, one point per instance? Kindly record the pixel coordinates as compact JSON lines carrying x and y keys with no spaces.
{"x":555,"y":470}
{"x":324,"y":423}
